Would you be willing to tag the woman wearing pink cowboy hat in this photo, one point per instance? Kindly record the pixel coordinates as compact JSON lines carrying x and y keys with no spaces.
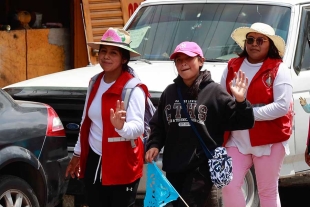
{"x":270,"y":93}
{"x":109,"y":152}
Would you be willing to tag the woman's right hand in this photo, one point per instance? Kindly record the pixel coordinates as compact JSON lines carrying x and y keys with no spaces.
{"x":302,"y":101}
{"x":151,"y":154}
{"x":73,"y":168}
{"x":239,"y":85}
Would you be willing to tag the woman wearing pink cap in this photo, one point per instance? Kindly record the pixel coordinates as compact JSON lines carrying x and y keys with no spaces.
{"x":109,"y":152}
{"x":212,"y":111}
{"x":270,"y":92}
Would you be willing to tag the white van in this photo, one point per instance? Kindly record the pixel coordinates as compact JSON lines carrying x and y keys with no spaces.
{"x":157,"y":26}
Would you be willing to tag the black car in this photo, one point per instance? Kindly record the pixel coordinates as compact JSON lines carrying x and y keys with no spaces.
{"x":33,"y":154}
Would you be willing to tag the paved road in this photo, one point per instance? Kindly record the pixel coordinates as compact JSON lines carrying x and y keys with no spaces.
{"x":297,"y":196}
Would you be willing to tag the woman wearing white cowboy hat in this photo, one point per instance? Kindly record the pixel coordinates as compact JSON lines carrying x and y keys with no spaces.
{"x":270,"y":93}
{"x":109,"y":153}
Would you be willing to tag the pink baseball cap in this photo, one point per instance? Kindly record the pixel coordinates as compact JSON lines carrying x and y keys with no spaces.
{"x":188,"y":48}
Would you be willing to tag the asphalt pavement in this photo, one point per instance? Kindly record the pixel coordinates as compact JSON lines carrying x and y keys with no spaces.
{"x":297,"y":196}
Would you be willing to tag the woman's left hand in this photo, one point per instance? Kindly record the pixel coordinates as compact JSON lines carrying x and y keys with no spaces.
{"x":119,"y":116}
{"x":238,"y":86}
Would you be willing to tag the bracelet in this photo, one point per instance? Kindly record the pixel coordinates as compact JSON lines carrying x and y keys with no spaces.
{"x":75,"y":155}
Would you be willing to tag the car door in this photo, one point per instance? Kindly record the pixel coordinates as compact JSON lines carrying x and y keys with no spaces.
{"x":301,"y":88}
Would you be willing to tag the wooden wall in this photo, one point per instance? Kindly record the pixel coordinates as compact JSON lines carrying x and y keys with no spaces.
{"x":26,"y":54}
{"x":12,"y":57}
{"x":48,"y":51}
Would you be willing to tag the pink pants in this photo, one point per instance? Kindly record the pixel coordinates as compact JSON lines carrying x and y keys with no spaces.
{"x":267,"y":170}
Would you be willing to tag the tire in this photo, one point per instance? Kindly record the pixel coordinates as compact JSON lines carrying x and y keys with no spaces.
{"x":249,"y":189}
{"x":15,"y":191}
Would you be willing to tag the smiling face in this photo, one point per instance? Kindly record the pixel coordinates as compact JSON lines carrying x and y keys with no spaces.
{"x":111,"y":60}
{"x":188,"y":67}
{"x":257,"y":53}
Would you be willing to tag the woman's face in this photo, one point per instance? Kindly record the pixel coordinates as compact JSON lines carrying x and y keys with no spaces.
{"x":258,"y":49}
{"x":110,"y":58}
{"x":188,"y":67}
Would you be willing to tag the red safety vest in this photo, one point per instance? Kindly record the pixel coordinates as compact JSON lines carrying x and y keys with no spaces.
{"x":121,"y":162}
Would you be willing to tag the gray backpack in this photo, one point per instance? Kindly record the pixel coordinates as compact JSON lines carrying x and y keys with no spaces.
{"x":149,"y":107}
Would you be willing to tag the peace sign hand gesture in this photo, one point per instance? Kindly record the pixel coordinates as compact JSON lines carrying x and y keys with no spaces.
{"x":118,"y":118}
{"x":239,"y":85}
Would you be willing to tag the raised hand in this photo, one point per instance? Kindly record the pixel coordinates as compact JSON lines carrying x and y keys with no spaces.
{"x":239,"y":85}
{"x":119,"y":116}
{"x":302,"y":101}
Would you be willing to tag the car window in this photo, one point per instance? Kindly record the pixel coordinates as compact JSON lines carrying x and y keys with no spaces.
{"x":302,"y":55}
{"x":157,"y":30}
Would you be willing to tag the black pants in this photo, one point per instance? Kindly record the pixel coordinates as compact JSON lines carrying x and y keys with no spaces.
{"x":98,"y":195}
{"x":194,"y":186}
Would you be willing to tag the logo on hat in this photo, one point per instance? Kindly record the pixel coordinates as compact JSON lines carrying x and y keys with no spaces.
{"x":182,"y":45}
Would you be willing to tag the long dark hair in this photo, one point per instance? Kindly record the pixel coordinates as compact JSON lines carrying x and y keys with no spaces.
{"x":273,"y":51}
{"x":126,"y":56}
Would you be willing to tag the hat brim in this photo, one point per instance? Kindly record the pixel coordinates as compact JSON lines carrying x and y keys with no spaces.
{"x":240,"y":33}
{"x":96,"y":45}
{"x":189,"y":53}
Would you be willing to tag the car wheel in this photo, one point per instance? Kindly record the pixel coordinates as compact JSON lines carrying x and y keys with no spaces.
{"x":14,"y":191}
{"x":249,"y":189}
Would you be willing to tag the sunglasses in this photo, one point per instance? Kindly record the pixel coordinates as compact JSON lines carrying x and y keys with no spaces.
{"x":259,"y":40}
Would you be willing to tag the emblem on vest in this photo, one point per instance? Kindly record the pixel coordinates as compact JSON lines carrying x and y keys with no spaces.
{"x":268,"y":79}
{"x":129,"y":189}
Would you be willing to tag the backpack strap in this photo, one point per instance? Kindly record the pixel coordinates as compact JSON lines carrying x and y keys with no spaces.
{"x":126,"y":94}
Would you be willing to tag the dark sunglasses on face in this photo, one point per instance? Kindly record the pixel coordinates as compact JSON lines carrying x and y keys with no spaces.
{"x":259,"y":40}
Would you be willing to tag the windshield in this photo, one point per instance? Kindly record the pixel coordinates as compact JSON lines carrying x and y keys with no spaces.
{"x":157,"y":30}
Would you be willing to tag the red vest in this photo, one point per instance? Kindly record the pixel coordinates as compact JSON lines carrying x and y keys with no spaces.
{"x":260,"y":92}
{"x":121,"y":163}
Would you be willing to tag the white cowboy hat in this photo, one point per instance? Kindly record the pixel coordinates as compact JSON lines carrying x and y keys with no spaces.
{"x":115,"y":37}
{"x":240,"y":33}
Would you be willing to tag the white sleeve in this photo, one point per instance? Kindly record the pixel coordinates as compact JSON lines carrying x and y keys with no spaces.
{"x":223,"y":79}
{"x":134,"y":125}
{"x":77,"y":147}
{"x":282,"y":96}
